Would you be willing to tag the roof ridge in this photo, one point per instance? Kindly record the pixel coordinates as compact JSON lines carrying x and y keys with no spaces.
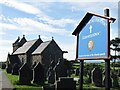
{"x":47,"y":41}
{"x":32,"y":40}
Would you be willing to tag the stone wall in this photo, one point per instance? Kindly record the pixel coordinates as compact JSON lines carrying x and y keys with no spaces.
{"x":22,"y":58}
{"x":36,"y":58}
{"x":51,"y":52}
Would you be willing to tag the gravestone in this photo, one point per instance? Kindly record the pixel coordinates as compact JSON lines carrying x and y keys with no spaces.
{"x":115,"y":79}
{"x":109,"y":82}
{"x":51,"y":76}
{"x":97,"y":76}
{"x":51,"y":65}
{"x":60,"y":70}
{"x":65,"y":83}
{"x":3,"y":66}
{"x":49,"y":87}
{"x":15,"y":69}
{"x":77,"y":71}
{"x":68,"y":73}
{"x":51,"y":73}
{"x":105,"y":79}
{"x":38,"y":74}
{"x":25,"y":74}
{"x":89,"y":77}
{"x":67,"y":68}
{"x":9,"y":68}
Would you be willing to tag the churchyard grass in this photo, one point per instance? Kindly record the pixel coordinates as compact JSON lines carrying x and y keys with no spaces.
{"x":14,"y":81}
{"x":86,"y":86}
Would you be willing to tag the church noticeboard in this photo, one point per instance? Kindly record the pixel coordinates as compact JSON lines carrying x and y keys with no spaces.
{"x":93,"y":39}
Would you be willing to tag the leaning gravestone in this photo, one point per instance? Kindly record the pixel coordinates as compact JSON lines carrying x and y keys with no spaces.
{"x":65,"y":83}
{"x":38,"y":74}
{"x":15,"y":69}
{"x":25,"y":75}
{"x":9,"y":68}
{"x":97,"y":76}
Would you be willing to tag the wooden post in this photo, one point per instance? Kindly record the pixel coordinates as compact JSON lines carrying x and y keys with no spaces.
{"x":107,"y":62}
{"x":81,"y":65}
{"x":81,"y":75}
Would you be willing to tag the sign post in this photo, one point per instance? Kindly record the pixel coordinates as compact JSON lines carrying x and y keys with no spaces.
{"x":93,"y":42}
{"x":107,"y":62}
{"x":81,"y":74}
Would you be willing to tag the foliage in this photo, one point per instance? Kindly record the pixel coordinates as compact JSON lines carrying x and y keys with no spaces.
{"x":115,"y":46}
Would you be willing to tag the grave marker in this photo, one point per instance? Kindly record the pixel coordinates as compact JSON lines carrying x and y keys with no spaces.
{"x":97,"y":77}
{"x":25,"y":74}
{"x":15,"y":69}
{"x":38,"y":74}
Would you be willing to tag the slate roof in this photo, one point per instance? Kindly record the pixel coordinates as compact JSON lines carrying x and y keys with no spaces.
{"x":25,"y":47}
{"x":41,"y":47}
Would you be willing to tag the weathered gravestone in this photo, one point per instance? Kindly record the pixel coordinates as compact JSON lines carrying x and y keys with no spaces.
{"x":25,"y":74}
{"x":60,"y":70}
{"x":89,"y":77}
{"x":15,"y":69}
{"x":56,"y":70}
{"x":77,"y":71}
{"x":9,"y":68}
{"x":115,"y":79}
{"x":51,"y":76}
{"x":65,"y":83}
{"x":97,"y":76}
{"x":49,"y":87}
{"x":67,"y":68}
{"x":3,"y":66}
{"x":104,"y":79}
{"x":51,"y":72}
{"x":38,"y":74}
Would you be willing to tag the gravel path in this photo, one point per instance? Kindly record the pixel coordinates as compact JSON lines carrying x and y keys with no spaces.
{"x":5,"y":83}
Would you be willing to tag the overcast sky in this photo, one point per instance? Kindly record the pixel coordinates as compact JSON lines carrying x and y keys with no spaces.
{"x":48,"y":19}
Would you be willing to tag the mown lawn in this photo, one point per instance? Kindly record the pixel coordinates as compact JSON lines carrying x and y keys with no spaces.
{"x":14,"y":80}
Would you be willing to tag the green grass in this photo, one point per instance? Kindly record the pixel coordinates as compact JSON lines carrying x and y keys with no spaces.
{"x":14,"y":79}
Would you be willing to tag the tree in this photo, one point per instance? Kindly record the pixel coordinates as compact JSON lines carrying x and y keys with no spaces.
{"x":115,"y":46}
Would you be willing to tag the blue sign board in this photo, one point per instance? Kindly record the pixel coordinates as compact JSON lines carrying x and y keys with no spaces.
{"x":93,"y":39}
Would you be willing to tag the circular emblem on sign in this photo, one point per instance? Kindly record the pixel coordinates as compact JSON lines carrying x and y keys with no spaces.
{"x":90,"y":45}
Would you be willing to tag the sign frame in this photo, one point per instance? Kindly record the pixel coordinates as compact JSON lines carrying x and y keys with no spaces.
{"x":79,"y":28}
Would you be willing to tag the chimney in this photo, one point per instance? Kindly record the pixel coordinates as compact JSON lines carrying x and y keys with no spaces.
{"x":19,"y":37}
{"x":23,"y":35}
{"x":52,"y":38}
{"x":39,"y":36}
